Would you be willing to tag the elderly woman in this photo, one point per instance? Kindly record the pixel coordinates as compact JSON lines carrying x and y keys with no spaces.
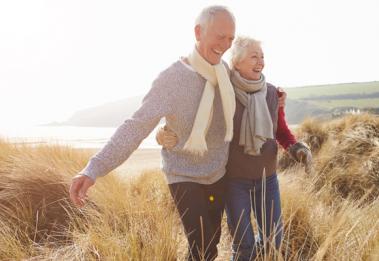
{"x":252,"y":183}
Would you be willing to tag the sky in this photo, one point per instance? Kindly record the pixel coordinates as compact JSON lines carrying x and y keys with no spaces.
{"x":58,"y":57}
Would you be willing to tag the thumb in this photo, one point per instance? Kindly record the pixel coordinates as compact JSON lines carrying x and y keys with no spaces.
{"x":300,"y":155}
{"x":87,"y":182}
{"x":159,"y":136}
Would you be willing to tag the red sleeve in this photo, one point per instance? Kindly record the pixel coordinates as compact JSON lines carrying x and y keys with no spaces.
{"x":283,"y":134}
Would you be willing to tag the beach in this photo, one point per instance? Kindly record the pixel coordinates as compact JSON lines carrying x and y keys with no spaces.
{"x":87,"y":139}
{"x":141,"y":160}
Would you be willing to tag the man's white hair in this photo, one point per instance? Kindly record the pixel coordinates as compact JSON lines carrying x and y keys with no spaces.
{"x":240,"y":46}
{"x":207,"y":15}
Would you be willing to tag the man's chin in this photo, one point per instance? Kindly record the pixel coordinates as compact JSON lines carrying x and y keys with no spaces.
{"x":216,"y":61}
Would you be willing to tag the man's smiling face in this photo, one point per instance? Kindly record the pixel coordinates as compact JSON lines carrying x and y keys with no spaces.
{"x":216,"y":38}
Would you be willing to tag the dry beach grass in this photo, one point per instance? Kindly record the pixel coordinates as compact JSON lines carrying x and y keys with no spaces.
{"x":332,"y":214}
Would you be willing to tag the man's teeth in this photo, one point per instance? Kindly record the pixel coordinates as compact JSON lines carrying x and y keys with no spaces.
{"x":217,"y":51}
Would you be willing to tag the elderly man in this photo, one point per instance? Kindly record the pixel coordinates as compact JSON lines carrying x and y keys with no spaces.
{"x":197,"y":100}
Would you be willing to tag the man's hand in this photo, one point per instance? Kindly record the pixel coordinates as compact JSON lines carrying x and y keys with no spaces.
{"x":78,"y":189}
{"x":166,"y":137}
{"x":282,"y":97}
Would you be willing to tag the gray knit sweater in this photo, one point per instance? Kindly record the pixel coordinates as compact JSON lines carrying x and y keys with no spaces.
{"x":175,"y":95}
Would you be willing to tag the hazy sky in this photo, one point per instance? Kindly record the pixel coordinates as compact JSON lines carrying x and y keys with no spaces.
{"x":57,"y":57}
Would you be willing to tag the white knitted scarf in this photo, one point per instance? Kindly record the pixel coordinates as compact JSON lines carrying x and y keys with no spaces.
{"x":216,"y":75}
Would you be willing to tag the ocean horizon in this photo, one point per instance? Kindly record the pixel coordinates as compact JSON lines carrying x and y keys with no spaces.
{"x":74,"y":136}
{"x":77,"y":137}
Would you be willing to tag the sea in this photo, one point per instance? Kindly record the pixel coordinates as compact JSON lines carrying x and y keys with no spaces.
{"x":77,"y":137}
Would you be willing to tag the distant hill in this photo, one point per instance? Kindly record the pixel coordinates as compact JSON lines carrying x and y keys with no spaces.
{"x":301,"y":92}
{"x":107,"y":115}
{"x":316,"y":101}
{"x":331,"y":100}
{"x":297,"y":110}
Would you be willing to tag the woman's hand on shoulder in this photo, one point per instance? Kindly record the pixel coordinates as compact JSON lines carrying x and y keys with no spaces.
{"x":282,"y":95}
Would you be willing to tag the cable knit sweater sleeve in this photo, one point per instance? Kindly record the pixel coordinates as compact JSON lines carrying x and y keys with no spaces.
{"x":157,"y":104}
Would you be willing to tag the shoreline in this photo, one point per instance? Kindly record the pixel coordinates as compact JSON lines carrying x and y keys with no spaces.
{"x":141,"y":160}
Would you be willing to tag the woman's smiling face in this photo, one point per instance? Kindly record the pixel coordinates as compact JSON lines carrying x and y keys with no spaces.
{"x":251,"y":65}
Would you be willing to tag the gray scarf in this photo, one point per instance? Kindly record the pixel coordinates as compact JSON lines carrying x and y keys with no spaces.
{"x":256,"y":125}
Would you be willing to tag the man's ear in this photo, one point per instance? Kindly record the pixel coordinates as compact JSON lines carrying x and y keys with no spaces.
{"x":198,"y":32}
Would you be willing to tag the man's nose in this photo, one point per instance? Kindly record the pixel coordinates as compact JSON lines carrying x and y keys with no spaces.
{"x":226,"y":44}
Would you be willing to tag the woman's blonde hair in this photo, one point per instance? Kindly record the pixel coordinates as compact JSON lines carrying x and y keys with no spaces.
{"x":239,"y":48}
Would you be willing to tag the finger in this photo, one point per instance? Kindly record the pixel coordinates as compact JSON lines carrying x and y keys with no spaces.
{"x":173,"y":141}
{"x":300,"y":155}
{"x":75,"y":184}
{"x":158,"y":139}
{"x":170,"y":140}
{"x":159,"y":134}
{"x":169,"y":134}
{"x":74,"y":197}
{"x":77,"y":201}
{"x":87,"y":182}
{"x":79,"y":188}
{"x":81,"y":202}
{"x":74,"y":189}
{"x":169,"y":144}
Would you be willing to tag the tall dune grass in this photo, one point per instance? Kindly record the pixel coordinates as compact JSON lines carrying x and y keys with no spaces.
{"x":332,"y":214}
{"x":346,"y":154}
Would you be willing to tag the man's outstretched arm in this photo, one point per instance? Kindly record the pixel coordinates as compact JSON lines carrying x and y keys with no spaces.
{"x":156,"y":104}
